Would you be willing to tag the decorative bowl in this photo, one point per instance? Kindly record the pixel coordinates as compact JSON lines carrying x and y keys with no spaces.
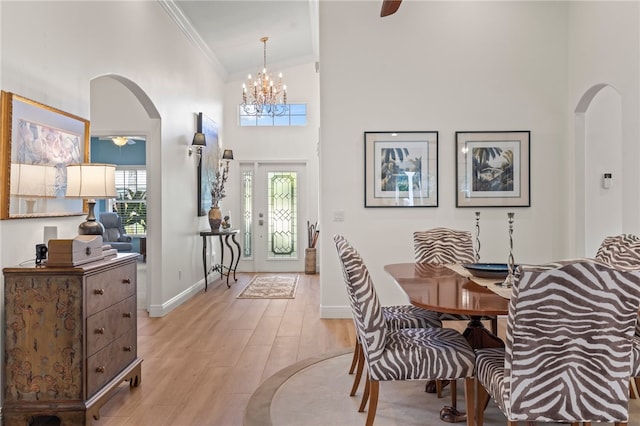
{"x":488,"y":270}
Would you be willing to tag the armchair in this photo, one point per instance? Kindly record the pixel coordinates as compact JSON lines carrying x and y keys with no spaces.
{"x":114,"y":233}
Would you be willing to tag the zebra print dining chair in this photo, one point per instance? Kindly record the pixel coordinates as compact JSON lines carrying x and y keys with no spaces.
{"x":442,"y":246}
{"x":400,"y":354}
{"x":624,"y":251}
{"x":445,"y":246}
{"x":568,"y":345}
{"x":396,"y":317}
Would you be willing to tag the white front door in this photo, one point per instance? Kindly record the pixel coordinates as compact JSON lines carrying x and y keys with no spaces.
{"x":275,"y":226}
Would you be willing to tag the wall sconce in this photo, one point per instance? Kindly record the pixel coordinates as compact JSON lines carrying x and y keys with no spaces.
{"x":227,"y":154}
{"x":199,"y":141}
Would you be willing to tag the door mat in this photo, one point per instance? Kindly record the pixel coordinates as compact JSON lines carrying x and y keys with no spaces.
{"x":270,"y":287}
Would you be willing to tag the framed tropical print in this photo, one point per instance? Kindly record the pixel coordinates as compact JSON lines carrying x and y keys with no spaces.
{"x":401,"y":169}
{"x":492,"y":169}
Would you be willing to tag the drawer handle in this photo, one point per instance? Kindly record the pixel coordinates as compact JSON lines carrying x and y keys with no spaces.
{"x":100,"y":370}
{"x":100,"y":330}
{"x":99,"y":291}
{"x":126,"y":281}
{"x":128,"y":348}
{"x":127,"y":315}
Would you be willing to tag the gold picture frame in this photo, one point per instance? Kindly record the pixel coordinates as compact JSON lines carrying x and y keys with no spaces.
{"x":37,"y":142}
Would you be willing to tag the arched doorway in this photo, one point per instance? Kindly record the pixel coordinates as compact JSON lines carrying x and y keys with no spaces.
{"x":598,"y":136}
{"x":119,"y":106}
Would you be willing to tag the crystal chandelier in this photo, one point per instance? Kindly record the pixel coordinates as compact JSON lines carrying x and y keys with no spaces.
{"x":262,"y":95}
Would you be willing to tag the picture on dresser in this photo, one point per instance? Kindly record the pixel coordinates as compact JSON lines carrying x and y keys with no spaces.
{"x":37,"y":142}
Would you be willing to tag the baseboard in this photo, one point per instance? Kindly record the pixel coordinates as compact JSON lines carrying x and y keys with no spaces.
{"x":168,"y":306}
{"x":335,"y":312}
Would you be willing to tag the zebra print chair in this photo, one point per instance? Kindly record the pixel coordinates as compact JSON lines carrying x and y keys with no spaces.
{"x":396,"y":317}
{"x":624,"y":251}
{"x":568,"y":345}
{"x":442,"y":246}
{"x":400,"y":354}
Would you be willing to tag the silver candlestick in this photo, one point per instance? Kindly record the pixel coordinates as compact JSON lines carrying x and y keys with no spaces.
{"x":510,"y":280}
{"x":477,"y":248}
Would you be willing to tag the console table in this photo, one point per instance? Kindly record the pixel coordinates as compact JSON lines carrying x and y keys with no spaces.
{"x":225,"y":271}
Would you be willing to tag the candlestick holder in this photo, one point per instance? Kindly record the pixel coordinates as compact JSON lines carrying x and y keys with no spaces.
{"x":477,"y":247}
{"x":510,"y":280}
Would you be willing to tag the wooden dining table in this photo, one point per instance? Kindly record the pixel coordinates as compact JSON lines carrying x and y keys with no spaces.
{"x":442,"y":289}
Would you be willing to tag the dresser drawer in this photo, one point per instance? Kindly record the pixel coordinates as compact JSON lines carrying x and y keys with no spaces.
{"x":108,"y":324}
{"x":109,"y":361}
{"x":110,"y":287}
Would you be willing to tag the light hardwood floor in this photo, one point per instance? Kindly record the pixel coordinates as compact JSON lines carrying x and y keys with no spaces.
{"x":203,"y":360}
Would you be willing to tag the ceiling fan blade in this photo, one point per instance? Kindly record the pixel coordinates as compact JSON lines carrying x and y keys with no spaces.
{"x":389,"y":7}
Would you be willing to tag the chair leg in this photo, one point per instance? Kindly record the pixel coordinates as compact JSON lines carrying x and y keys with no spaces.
{"x":453,"y":386}
{"x":634,"y":385}
{"x":354,"y":360}
{"x":374,"y":387}
{"x":365,"y":395}
{"x":482,"y":398}
{"x":470,"y":399}
{"x":359,"y":369}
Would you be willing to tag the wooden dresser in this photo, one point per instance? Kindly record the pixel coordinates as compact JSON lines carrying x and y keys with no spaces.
{"x":70,"y":339}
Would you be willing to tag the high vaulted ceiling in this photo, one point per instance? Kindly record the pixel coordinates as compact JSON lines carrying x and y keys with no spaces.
{"x":231,"y":31}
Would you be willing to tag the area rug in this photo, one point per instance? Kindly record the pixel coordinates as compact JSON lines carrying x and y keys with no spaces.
{"x":270,"y":287}
{"x":315,"y":392}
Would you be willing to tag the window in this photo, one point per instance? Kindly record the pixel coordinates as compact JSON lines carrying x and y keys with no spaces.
{"x":296,"y":115}
{"x":131,"y":201}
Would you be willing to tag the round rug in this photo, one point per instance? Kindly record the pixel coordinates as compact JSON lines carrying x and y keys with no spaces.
{"x":315,"y":392}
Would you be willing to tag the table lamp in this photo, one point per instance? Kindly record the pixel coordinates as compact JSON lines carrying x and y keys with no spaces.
{"x":91,"y":181}
{"x":32,"y":181}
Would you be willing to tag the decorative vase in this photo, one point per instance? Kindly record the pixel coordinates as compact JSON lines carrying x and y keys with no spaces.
{"x":215,"y":218}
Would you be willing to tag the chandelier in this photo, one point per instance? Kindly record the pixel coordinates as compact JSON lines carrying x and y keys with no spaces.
{"x":262,"y":95}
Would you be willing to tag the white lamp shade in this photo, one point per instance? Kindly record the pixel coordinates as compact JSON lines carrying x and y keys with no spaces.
{"x":91,"y":181}
{"x":33,"y":180}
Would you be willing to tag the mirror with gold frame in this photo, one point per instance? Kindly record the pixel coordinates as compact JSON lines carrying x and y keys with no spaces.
{"x":37,"y":143}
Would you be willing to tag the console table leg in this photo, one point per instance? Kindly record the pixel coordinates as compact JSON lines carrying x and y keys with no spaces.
{"x":233,"y":237}
{"x":204,"y":261}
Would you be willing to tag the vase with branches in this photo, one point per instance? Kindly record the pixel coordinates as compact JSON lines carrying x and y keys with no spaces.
{"x":218,"y":175}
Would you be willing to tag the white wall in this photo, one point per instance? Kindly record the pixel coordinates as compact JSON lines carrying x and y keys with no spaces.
{"x":604,"y":49}
{"x":53,"y":59}
{"x":451,"y":66}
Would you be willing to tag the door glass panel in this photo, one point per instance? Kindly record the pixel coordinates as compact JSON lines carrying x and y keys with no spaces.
{"x":282,"y":214}
{"x":247,"y":202}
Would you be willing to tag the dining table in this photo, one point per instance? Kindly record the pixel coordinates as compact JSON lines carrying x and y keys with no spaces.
{"x":453,"y":289}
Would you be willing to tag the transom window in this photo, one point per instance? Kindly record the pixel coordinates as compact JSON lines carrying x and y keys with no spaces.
{"x":295,"y":115}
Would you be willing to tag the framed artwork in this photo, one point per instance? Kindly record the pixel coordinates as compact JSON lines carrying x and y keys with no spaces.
{"x":401,"y":169}
{"x":37,"y":143}
{"x":208,"y":162}
{"x":492,"y":169}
